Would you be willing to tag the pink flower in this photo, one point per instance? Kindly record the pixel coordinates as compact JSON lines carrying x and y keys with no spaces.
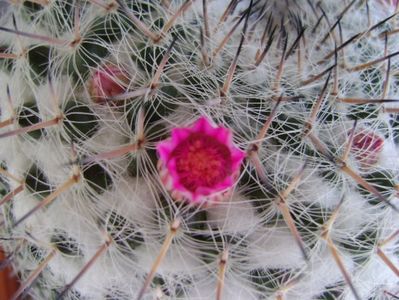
{"x":366,"y":147}
{"x":199,"y":163}
{"x":107,"y":81}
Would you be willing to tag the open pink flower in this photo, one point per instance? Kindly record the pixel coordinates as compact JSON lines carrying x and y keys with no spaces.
{"x":107,"y":81}
{"x":367,"y":147}
{"x":199,"y":163}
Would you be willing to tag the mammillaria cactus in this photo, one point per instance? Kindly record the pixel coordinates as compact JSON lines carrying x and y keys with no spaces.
{"x":200,"y":149}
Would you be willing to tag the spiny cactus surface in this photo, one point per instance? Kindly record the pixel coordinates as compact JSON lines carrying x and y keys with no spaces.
{"x":200,"y":149}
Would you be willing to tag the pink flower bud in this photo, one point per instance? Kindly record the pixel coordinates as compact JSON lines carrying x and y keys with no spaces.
{"x":107,"y":81}
{"x":366,"y":147}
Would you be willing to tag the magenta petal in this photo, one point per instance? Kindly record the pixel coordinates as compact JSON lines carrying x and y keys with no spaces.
{"x":180,"y":134}
{"x":223,"y":135}
{"x":171,"y":165}
{"x":203,"y":125}
{"x":202,"y":192}
{"x":228,"y":182}
{"x":164,"y":150}
{"x":195,"y":197}
{"x":178,"y":186}
{"x":237,"y":157}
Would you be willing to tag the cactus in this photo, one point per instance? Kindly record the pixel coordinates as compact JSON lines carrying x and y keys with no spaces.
{"x":200,"y":149}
